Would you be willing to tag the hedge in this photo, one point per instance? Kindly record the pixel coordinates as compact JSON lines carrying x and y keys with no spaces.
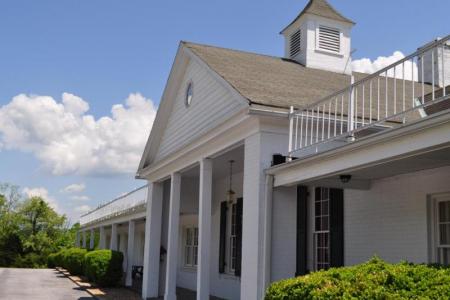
{"x":375,"y":279}
{"x":73,"y":260}
{"x":104,"y":267}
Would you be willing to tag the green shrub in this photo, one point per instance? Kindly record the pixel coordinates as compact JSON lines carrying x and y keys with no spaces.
{"x":104,"y":267}
{"x":51,"y":260}
{"x":73,"y":260}
{"x":375,"y":279}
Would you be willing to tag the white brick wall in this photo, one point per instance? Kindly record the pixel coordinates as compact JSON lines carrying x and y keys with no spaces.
{"x":389,"y":220}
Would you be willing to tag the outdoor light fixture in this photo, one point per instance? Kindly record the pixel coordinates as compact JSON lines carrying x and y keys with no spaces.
{"x":345,"y":178}
{"x":231,"y":194}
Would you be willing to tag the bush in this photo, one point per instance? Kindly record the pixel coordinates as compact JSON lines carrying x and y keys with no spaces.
{"x":375,"y":279}
{"x":104,"y":267}
{"x":51,"y":260}
{"x":73,"y":260}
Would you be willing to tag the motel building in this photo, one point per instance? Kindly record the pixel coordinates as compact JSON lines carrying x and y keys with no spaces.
{"x":260,"y":168}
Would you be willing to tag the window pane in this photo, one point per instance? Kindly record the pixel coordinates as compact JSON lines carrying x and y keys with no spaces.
{"x":196,"y":236}
{"x":444,"y":230}
{"x":188,"y":256}
{"x":444,"y":211}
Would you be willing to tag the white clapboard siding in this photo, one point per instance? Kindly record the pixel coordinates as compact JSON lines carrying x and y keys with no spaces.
{"x":212,"y":104}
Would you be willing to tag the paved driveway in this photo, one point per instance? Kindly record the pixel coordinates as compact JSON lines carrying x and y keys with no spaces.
{"x":44,"y":284}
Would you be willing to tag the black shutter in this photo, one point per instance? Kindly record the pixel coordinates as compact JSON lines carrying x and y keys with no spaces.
{"x":223,"y":237}
{"x":239,"y":207}
{"x":336,"y":227}
{"x":301,"y":254}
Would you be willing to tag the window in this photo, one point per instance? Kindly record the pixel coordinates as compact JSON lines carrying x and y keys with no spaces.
{"x":295,"y":42}
{"x":322,"y":229}
{"x":443,"y":232}
{"x":329,"y":39}
{"x":190,"y":246}
{"x":232,"y":254}
{"x":189,"y":94}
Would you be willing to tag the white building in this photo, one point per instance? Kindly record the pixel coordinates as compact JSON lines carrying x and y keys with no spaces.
{"x":323,"y":173}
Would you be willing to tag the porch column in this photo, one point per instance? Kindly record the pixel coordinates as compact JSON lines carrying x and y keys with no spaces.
{"x":113,"y":245}
{"x":92,"y":239}
{"x":84,"y":238}
{"x":204,"y":229}
{"x":257,"y":157}
{"x":150,"y":282}
{"x":172,"y":251}
{"x":102,"y":240}
{"x":130,"y":252}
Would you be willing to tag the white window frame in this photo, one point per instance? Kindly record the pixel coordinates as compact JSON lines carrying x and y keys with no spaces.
{"x":434,"y":240}
{"x":318,"y":49}
{"x":192,"y":261}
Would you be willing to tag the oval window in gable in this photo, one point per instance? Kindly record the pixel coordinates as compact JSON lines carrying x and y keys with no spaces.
{"x":189,"y":94}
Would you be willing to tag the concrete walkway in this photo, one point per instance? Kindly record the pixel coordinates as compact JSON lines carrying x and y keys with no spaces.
{"x":42,"y":284}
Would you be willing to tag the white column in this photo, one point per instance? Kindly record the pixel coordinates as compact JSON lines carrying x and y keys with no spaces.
{"x":204,"y":229}
{"x":257,"y":156}
{"x":130,"y":252}
{"x":84,"y":239}
{"x":150,"y":282}
{"x":92,"y":239}
{"x":102,"y":238}
{"x":114,"y":245}
{"x":172,"y":251}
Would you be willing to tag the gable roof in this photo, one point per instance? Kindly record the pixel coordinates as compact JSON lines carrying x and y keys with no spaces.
{"x":323,"y":9}
{"x":268,"y":80}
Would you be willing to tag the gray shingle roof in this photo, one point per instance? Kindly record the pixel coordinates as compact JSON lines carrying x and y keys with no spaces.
{"x":279,"y":82}
{"x":321,"y":8}
{"x":268,"y":80}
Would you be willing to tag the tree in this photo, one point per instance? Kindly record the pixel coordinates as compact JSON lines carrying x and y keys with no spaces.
{"x":30,"y":229}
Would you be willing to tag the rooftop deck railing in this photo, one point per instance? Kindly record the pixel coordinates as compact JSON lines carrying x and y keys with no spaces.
{"x":129,"y":202}
{"x":406,"y":91}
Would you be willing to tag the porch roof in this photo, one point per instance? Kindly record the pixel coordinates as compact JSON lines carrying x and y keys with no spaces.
{"x":411,"y":147}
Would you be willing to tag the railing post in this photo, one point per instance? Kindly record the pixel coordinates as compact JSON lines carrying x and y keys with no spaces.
{"x":291,"y":131}
{"x":351,"y":112}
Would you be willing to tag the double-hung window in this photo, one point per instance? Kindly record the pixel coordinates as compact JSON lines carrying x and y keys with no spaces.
{"x":322,"y":229}
{"x":232,"y":238}
{"x":190,"y":246}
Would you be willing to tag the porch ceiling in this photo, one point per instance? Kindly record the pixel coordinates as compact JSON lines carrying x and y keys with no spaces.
{"x":221,"y":164}
{"x":361,"y":179}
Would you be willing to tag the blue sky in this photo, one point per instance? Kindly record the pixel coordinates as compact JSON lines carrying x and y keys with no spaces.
{"x":102,"y":51}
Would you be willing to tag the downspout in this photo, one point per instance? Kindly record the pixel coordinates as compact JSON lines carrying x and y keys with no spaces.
{"x":267,"y":246}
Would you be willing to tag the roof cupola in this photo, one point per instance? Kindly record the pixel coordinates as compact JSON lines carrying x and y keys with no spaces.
{"x":319,"y":38}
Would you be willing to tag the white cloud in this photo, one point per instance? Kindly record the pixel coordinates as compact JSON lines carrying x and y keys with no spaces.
{"x":67,"y":140}
{"x":74,"y":188}
{"x":43,"y":193}
{"x":80,"y":198}
{"x":82,"y":209}
{"x":365,"y":65}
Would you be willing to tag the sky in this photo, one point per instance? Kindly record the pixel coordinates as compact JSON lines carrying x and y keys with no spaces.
{"x":80,"y":81}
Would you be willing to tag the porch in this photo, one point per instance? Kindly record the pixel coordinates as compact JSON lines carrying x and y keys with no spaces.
{"x":394,"y":203}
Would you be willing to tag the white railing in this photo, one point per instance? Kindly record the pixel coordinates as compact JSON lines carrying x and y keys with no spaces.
{"x":405,"y":91}
{"x":127,"y":203}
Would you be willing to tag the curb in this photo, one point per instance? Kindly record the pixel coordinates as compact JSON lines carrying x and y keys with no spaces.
{"x":65,"y":272}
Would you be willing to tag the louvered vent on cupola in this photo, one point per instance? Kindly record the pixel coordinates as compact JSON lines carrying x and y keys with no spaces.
{"x":295,"y":43}
{"x":329,"y":39}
